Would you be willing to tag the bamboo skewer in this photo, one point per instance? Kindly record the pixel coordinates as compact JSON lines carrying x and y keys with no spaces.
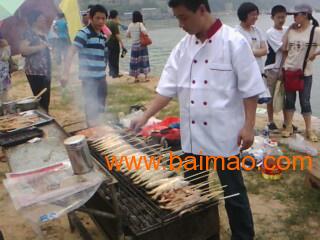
{"x":195,"y":175}
{"x":214,"y":189}
{"x":180,"y":206}
{"x":40,"y":94}
{"x":198,"y":178}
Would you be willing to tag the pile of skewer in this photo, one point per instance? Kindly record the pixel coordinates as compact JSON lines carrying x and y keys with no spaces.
{"x":170,"y":190}
{"x":16,"y":121}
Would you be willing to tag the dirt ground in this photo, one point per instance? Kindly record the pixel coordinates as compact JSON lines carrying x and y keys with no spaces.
{"x":284,"y":209}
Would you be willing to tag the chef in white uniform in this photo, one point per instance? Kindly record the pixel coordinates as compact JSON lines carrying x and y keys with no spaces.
{"x":216,"y":78}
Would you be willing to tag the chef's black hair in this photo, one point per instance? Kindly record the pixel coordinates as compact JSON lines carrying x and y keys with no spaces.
{"x":98,"y":8}
{"x":192,"y":5}
{"x":244,"y":10}
{"x":278,"y":9}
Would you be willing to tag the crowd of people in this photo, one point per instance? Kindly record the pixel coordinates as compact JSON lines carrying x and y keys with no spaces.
{"x":100,"y":44}
{"x":287,"y":49}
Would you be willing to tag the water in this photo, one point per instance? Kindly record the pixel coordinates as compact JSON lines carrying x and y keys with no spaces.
{"x":166,"y":34}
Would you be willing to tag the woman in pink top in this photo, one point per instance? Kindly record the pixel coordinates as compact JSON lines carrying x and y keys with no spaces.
{"x":106,"y":31}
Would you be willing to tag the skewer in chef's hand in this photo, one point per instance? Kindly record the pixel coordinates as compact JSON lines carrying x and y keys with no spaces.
{"x":137,"y":124}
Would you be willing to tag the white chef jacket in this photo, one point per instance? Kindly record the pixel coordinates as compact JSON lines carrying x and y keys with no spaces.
{"x":211,"y":79}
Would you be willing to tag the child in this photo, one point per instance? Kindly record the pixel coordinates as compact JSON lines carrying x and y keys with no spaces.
{"x":5,"y":80}
{"x":274,"y":62}
{"x":248,"y":14}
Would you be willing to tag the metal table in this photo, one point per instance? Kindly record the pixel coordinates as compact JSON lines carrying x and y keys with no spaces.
{"x":50,"y":150}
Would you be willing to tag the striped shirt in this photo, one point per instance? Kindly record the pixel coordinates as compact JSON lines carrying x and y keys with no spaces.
{"x":92,"y":48}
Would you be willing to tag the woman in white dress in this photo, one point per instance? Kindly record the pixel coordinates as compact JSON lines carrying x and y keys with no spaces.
{"x":139,"y":62}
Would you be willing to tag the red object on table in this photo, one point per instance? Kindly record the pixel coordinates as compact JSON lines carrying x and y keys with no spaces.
{"x":163,"y":129}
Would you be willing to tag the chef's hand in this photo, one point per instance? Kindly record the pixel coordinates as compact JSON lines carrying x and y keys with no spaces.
{"x":137,"y":124}
{"x":246,"y":138}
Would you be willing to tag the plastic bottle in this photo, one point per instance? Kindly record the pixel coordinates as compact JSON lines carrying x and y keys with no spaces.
{"x":272,"y":172}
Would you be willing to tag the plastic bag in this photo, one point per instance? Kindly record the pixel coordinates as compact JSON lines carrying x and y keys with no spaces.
{"x":47,"y":193}
{"x":261,"y":148}
{"x":278,"y":98}
{"x":299,"y":144}
{"x":125,"y":120}
{"x":256,"y":151}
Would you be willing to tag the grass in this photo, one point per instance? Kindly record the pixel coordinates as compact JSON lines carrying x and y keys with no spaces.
{"x":302,"y":203}
{"x":122,"y":95}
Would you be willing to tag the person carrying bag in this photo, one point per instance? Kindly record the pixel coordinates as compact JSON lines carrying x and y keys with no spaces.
{"x":293,"y":79}
{"x":139,"y":60}
{"x":145,"y":40}
{"x":301,"y":43}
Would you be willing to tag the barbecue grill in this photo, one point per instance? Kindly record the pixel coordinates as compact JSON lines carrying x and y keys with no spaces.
{"x":142,"y":218}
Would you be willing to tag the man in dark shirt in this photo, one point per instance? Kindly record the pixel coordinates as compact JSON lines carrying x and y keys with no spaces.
{"x":114,"y":44}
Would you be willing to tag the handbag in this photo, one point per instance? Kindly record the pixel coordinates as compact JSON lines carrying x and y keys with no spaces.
{"x":145,"y":40}
{"x":294,"y":79}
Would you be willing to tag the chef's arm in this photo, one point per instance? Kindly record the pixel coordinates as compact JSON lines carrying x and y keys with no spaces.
{"x":246,"y":135}
{"x":250,"y":108}
{"x":262,"y":51}
{"x":156,"y":105}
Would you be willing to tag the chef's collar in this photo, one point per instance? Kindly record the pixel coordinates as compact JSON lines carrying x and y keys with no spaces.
{"x":214,"y":28}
